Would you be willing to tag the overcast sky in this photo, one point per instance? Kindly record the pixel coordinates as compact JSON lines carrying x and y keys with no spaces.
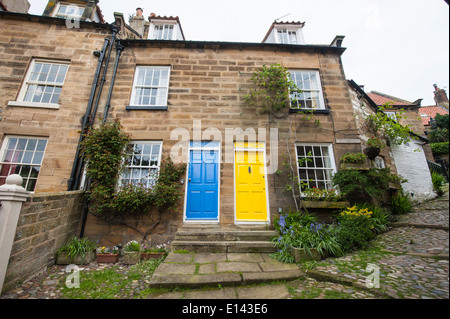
{"x":398,"y":47}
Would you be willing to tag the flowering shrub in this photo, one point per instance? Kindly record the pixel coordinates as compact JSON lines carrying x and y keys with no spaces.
{"x":355,"y":227}
{"x":355,"y":212}
{"x":157,"y":249}
{"x":325,"y":195}
{"x":132,"y":246}
{"x":353,"y":158}
{"x":301,"y":230}
{"x":375,"y":142}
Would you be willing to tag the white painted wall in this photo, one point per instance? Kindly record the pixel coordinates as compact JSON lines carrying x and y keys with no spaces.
{"x":411,"y":164}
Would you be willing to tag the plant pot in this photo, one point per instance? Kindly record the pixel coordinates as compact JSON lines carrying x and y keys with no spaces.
{"x":147,"y":256}
{"x":107,"y":258}
{"x":359,"y":167}
{"x":325,"y":205}
{"x":302,"y":254}
{"x":372,"y":152}
{"x":131,"y":257}
{"x":63,"y":259}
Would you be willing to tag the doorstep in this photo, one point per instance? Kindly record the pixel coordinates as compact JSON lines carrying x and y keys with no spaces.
{"x":196,"y":270}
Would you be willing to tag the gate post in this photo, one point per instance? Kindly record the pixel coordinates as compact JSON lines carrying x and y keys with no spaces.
{"x":12,"y":196}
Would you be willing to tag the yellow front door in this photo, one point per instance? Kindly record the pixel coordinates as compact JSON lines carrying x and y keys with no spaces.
{"x":251,"y":204}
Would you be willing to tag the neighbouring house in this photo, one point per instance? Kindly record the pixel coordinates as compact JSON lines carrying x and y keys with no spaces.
{"x":410,"y":159}
{"x":66,"y":69}
{"x":429,"y":113}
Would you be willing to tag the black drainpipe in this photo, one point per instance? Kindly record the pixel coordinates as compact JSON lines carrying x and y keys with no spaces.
{"x":101,"y":55}
{"x":91,"y":117}
{"x":119,"y":50}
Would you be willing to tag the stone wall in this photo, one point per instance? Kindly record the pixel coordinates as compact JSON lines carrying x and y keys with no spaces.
{"x":47,"y":221}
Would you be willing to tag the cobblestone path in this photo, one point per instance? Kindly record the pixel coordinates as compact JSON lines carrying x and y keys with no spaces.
{"x":412,"y":259}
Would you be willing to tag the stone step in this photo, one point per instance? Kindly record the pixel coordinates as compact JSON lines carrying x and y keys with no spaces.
{"x":224,"y":246}
{"x":224,"y":235}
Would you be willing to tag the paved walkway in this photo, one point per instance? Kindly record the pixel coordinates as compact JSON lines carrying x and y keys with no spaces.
{"x":197,"y":270}
{"x":412,"y":259}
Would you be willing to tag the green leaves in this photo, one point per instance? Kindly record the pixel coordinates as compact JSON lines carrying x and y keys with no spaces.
{"x":273,"y":88}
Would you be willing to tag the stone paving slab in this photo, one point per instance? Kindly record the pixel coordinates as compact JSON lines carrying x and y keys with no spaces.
{"x":221,"y":268}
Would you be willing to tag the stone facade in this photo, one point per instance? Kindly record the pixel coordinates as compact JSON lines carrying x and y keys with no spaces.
{"x":47,"y":221}
{"x":208,"y":82}
{"x":23,"y":38}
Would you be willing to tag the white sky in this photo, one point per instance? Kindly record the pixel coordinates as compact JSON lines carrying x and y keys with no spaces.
{"x":398,"y":47}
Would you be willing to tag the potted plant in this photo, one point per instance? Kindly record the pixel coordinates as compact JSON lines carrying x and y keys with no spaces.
{"x":105,"y":255}
{"x":154,"y":253}
{"x":374,"y":145}
{"x":354,"y":161}
{"x":131,"y":253}
{"x":79,"y":251}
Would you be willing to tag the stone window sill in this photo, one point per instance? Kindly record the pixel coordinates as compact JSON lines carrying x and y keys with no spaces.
{"x":35,"y":105}
{"x":146,"y":108}
{"x":295,"y":111}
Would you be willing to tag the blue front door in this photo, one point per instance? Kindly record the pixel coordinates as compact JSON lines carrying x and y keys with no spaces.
{"x":203,"y":185}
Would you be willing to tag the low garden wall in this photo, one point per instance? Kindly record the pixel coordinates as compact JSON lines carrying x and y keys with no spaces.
{"x":46,"y":222}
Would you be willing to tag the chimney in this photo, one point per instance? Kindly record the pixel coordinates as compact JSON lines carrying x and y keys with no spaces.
{"x":440,"y":97}
{"x":138,"y":23}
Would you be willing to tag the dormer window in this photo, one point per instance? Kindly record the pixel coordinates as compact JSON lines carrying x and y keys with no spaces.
{"x":165,"y":28}
{"x":69,"y":11}
{"x":285,"y":33}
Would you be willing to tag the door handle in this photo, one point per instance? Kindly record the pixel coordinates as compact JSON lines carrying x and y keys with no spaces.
{"x":249,"y":169}
{"x":189,"y":180}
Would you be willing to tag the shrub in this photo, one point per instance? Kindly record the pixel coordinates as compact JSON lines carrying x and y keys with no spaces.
{"x":302,"y":230}
{"x":77,"y":247}
{"x":440,"y":148}
{"x":438,"y":181}
{"x":400,"y":204}
{"x":364,"y":185}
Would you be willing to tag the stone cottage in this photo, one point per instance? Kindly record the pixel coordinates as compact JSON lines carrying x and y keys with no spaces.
{"x":410,"y":159}
{"x":63,"y":71}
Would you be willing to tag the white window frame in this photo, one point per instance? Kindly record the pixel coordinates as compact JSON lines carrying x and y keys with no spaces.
{"x":135,"y":82}
{"x":151,"y":33}
{"x":333,"y":168}
{"x":3,"y":151}
{"x":288,"y":31}
{"x":66,"y":4}
{"x":392,"y":115}
{"x":21,"y":97}
{"x":318,"y":90}
{"x":150,"y":167}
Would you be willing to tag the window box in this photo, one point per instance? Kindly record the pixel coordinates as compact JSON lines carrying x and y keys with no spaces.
{"x":107,"y":258}
{"x":359,"y":167}
{"x":325,"y":205}
{"x":63,"y":259}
